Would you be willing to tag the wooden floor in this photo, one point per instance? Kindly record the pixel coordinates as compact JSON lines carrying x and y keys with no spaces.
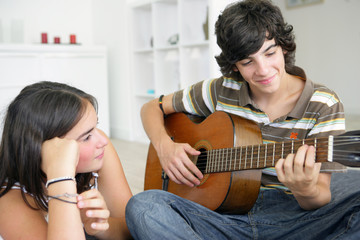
{"x":133,"y":158}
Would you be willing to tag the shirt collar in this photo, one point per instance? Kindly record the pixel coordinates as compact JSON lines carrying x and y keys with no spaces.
{"x":304,"y":100}
{"x":300,"y":107}
{"x":244,"y":96}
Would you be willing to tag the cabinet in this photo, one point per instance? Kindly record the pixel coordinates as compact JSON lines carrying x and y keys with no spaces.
{"x":173,"y":46}
{"x":79,"y":66}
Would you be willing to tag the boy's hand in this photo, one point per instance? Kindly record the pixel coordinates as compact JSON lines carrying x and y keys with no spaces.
{"x":300,"y":172}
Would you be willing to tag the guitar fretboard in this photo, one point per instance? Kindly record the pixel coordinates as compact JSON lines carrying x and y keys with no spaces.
{"x":260,"y":156}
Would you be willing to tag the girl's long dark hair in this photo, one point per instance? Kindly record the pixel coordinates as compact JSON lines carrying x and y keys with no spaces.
{"x":40,"y":112}
{"x":243,"y":27}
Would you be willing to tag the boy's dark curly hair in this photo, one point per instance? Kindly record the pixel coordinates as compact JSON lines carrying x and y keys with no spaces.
{"x":241,"y":30}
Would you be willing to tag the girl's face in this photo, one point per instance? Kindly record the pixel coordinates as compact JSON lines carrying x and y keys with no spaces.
{"x":264,"y":69}
{"x":91,"y":142}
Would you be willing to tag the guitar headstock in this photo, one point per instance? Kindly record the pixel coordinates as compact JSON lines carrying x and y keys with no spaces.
{"x":347,"y":149}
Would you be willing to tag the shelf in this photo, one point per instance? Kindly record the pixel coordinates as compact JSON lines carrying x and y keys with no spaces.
{"x":194,"y":24}
{"x":171,"y":49}
{"x":144,"y":50}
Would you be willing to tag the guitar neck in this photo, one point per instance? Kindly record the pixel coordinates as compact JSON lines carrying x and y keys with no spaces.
{"x":262,"y":155}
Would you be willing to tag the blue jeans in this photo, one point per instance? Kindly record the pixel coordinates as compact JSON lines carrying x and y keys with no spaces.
{"x":157,"y":214}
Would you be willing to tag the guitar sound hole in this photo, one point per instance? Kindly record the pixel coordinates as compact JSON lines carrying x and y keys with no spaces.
{"x":202,"y":160}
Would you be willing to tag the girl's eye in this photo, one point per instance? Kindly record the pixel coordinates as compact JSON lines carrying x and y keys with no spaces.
{"x":270,"y":54}
{"x":87,"y":138}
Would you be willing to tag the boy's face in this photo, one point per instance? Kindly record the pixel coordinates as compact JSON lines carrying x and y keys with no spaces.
{"x":264,"y":69}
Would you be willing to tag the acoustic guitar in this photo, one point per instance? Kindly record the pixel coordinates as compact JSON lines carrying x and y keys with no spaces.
{"x":232,"y":156}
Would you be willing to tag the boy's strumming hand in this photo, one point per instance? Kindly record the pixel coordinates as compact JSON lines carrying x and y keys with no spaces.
{"x":177,"y":165}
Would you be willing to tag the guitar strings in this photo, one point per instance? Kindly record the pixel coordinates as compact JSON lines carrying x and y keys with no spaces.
{"x":256,"y":160}
{"x":338,"y":153}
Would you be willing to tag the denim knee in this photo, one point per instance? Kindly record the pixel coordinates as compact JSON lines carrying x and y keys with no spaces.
{"x":142,"y":202}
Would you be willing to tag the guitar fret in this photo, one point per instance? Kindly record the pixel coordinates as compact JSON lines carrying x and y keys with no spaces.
{"x":282,"y":150}
{"x":213,"y":163}
{"x":245,"y":157}
{"x":222,"y":160}
{"x":265,"y":154}
{"x":240,"y":157}
{"x":257,"y":164}
{"x":292,"y":146}
{"x":230,"y":159}
{"x":213,"y":152}
{"x":216,"y":165}
{"x":212,"y":160}
{"x":252,"y":154}
{"x":219,"y":162}
{"x":273,"y":158}
{"x":235,"y":160}
{"x":208,"y":156}
{"x":227,"y":152}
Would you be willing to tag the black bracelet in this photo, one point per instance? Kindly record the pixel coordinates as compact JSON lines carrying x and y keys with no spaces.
{"x":66,"y":195}
{"x":161,"y":105}
{"x":60,"y":199}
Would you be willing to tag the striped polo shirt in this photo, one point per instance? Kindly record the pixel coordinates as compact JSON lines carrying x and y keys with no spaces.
{"x":318,"y":112}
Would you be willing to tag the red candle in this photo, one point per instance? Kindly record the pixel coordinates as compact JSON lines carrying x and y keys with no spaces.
{"x":72,"y":39}
{"x":57,"y":40}
{"x":44,"y":38}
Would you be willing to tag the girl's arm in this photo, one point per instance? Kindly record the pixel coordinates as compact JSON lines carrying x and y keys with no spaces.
{"x":19,"y":221}
{"x":59,"y":159}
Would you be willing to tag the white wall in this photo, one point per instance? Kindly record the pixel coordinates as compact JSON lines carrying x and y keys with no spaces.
{"x":94,"y":22}
{"x":57,"y":18}
{"x":327,"y":35}
{"x":328,"y":46}
{"x":110,"y":28}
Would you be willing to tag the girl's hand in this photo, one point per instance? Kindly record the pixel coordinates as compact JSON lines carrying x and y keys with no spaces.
{"x":94,"y":212}
{"x":60,"y":157}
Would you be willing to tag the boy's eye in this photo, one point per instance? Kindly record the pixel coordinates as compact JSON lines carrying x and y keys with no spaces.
{"x":270,"y":53}
{"x":245,"y":63}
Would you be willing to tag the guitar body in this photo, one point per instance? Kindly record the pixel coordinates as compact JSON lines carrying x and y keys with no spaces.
{"x":227,"y":192}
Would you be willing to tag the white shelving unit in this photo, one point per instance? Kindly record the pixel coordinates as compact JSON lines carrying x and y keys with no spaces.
{"x":173,"y":46}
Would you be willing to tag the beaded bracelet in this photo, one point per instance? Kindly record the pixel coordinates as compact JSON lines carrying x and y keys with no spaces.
{"x":59,"y":179}
{"x":161,"y":105}
{"x":67,"y":195}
